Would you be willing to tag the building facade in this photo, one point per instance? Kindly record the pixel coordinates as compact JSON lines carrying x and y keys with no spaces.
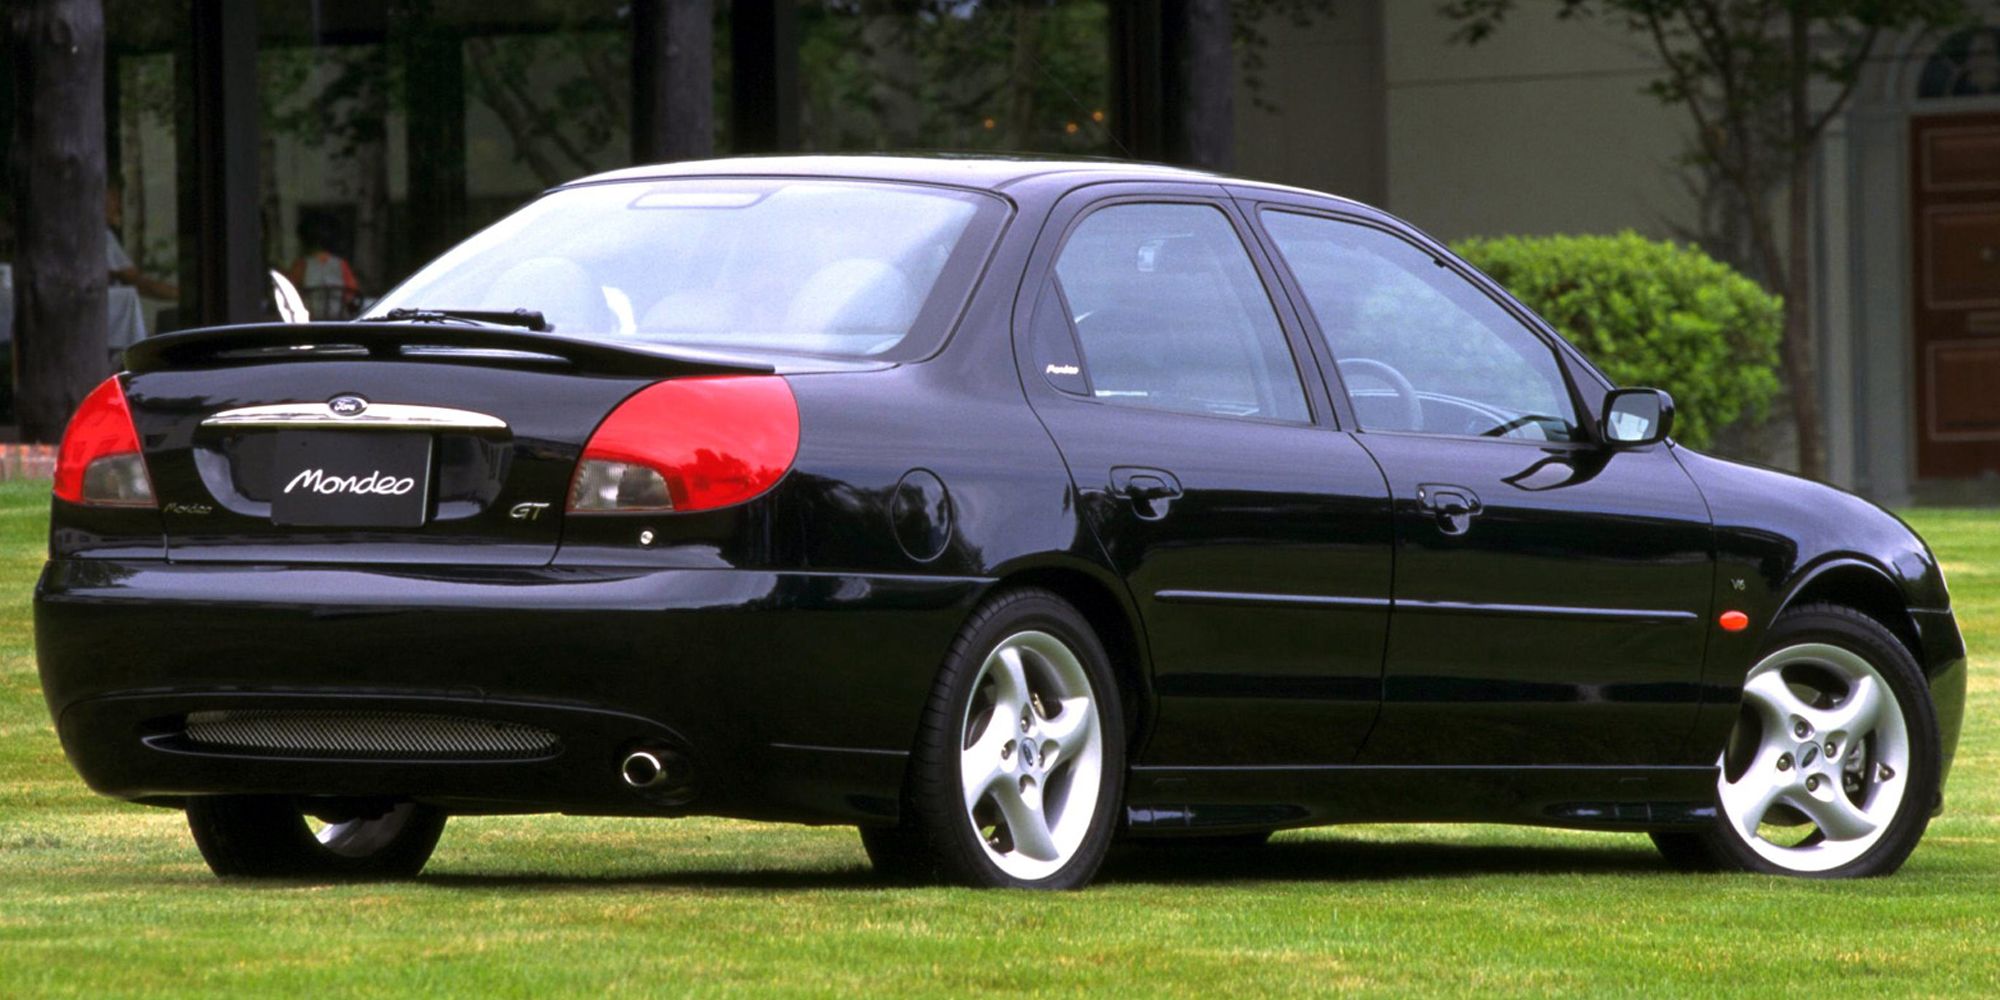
{"x":1546,"y":128}
{"x":387,"y":129}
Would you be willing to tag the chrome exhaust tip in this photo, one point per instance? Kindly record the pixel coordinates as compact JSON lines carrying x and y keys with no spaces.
{"x":643,"y":769}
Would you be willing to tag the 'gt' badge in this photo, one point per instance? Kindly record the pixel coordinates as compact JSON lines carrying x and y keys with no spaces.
{"x":527,"y":511}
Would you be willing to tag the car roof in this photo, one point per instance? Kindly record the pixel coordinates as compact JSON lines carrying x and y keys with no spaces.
{"x":984,"y":171}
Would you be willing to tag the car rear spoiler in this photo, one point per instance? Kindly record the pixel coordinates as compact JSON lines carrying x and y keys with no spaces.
{"x":265,"y":343}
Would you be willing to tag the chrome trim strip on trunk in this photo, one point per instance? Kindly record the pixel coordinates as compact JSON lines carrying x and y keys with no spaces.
{"x":378,"y":416}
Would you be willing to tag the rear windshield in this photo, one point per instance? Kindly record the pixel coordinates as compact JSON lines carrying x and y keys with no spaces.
{"x":807,"y":266}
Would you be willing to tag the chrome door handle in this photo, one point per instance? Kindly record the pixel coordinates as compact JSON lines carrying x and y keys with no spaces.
{"x":1151,"y":491}
{"x":1453,"y":506}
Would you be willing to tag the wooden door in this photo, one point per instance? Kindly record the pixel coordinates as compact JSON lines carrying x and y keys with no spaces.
{"x":1955,"y":208}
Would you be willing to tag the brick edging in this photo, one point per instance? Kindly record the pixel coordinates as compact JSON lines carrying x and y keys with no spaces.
{"x":27,"y":461}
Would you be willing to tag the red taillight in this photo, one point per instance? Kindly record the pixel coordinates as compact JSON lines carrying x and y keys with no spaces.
{"x":99,"y":463}
{"x":689,"y":444}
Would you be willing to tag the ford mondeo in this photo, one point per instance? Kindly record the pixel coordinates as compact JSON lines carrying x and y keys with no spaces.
{"x":999,"y":508}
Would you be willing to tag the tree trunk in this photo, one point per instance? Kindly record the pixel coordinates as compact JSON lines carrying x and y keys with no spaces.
{"x":1211,"y":89}
{"x":1797,"y":349}
{"x":60,"y":352}
{"x":673,"y":80}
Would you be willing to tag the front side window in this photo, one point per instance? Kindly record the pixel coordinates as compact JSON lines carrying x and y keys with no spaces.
{"x":787,"y":265}
{"x":1419,"y":347}
{"x":1171,"y":314}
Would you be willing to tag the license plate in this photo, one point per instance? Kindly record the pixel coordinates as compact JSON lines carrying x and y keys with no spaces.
{"x":357,"y":479}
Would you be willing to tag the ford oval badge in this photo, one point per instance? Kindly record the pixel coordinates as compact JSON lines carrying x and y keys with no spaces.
{"x":347,"y":406}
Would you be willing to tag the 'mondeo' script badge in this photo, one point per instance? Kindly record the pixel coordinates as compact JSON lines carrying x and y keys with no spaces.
{"x":318,"y":481}
{"x":354,"y":479}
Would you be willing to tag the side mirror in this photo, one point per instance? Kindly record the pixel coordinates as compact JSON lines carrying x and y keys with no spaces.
{"x":1637,"y":417}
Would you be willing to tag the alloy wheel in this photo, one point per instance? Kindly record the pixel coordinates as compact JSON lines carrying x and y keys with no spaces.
{"x":1819,"y":764}
{"x":1031,"y":757}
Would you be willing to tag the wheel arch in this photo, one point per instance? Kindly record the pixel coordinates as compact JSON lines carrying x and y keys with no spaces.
{"x":1856,"y":583}
{"x":1104,"y":602}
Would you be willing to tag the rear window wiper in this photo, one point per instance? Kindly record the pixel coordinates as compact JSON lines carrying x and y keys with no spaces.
{"x":527,"y":319}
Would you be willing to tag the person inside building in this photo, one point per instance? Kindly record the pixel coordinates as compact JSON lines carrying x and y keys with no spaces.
{"x":123,"y":270}
{"x":322,"y":277}
{"x":125,"y":318}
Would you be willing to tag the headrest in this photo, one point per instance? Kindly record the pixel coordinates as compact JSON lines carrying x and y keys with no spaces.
{"x":1174,"y":255}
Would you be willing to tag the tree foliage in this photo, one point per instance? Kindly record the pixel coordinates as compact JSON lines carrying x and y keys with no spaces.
{"x":946,"y":74}
{"x":1651,"y":313}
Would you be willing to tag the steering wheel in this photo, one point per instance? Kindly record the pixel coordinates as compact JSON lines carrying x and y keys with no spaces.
{"x":1406,"y":394}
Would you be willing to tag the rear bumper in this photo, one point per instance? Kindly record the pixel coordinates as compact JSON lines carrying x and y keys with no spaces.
{"x":792,"y":695}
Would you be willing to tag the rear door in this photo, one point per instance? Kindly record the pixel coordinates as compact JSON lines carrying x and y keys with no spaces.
{"x":1253,"y":536}
{"x":1551,"y":594}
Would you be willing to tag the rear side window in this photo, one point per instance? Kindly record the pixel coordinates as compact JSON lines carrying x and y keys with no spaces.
{"x":1171,"y":314}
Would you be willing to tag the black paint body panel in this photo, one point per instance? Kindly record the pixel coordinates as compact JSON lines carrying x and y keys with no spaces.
{"x":1296,"y":641}
{"x":1585,"y":577}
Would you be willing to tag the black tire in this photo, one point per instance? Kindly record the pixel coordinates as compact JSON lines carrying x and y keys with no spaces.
{"x":937,"y":840}
{"x":898,"y":854}
{"x":242,"y":836}
{"x":1688,"y":852}
{"x":1723,"y":848}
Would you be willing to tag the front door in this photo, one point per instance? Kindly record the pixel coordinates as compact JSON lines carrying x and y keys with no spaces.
{"x":1551,"y":594}
{"x":1955,"y":207}
{"x":1254,"y":539}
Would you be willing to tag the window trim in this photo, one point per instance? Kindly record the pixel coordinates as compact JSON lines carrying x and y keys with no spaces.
{"x":1043,"y":275}
{"x":1559,"y":350}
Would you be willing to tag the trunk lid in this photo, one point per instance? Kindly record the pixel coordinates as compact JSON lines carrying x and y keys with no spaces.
{"x":379,"y":443}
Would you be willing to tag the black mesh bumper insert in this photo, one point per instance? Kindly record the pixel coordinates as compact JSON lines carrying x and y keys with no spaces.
{"x":366,"y":735}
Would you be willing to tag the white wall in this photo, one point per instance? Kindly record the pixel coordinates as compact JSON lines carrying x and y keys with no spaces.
{"x":1542,"y":128}
{"x":1323,"y":126}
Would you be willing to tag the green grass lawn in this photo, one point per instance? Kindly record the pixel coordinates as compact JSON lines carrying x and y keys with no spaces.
{"x":99,"y":898}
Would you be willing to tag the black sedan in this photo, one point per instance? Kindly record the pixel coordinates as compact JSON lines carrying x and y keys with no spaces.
{"x":999,"y":508}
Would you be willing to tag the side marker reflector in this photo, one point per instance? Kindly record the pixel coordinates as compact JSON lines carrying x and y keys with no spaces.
{"x":1734,"y":621}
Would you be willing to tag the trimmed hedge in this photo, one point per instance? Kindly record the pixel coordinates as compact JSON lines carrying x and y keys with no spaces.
{"x":1651,"y":313}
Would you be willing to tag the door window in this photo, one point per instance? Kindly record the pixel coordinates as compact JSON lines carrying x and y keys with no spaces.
{"x":1419,"y":347}
{"x":1171,"y":314}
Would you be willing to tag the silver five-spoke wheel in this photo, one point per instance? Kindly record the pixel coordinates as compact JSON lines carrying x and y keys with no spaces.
{"x":1819,"y":765}
{"x":1031,"y":758}
{"x":1017,"y":773}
